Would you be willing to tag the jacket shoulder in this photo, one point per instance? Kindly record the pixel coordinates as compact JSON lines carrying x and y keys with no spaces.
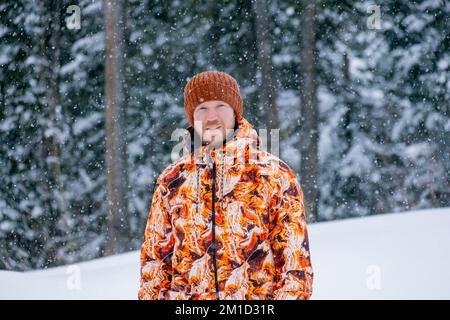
{"x":172,"y":171}
{"x":276,"y":165}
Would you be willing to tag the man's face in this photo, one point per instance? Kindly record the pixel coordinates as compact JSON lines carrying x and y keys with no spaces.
{"x":216,"y":117}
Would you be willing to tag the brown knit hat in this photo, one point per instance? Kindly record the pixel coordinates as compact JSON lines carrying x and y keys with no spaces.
{"x":211,"y":85}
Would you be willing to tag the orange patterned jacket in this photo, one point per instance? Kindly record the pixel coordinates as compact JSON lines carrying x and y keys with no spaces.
{"x":226,"y":223}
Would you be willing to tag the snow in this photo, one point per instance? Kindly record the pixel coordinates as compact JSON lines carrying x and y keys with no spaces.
{"x":391,"y":256}
{"x":85,"y":123}
{"x":408,"y":252}
{"x":105,"y":278}
{"x":356,"y":161}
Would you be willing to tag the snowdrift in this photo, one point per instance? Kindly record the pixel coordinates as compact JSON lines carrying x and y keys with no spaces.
{"x":392,"y":256}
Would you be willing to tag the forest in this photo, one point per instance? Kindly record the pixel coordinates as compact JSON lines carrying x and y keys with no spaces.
{"x":359,"y":91}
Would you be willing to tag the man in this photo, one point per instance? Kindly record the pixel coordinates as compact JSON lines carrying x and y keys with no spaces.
{"x":227,"y":220}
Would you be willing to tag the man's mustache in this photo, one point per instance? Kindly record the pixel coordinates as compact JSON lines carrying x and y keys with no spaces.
{"x":212,"y":124}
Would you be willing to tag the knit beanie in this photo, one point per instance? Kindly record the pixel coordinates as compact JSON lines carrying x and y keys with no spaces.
{"x":211,"y":85}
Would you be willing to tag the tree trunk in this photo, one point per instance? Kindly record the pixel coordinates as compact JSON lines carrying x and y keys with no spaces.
{"x":118,"y":237}
{"x":309,"y":136}
{"x":50,"y":62}
{"x":264,"y":45}
{"x":347,"y":132}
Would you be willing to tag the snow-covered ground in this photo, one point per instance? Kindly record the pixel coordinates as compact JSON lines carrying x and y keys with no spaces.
{"x":393,"y":256}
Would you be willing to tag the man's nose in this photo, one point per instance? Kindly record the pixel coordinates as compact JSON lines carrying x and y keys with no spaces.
{"x":212,"y":115}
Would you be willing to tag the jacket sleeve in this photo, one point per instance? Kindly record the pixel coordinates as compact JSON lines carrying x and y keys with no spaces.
{"x":157,"y":248}
{"x":289,"y":242}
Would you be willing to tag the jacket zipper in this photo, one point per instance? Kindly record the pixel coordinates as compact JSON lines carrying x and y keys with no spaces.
{"x":214,"y":227}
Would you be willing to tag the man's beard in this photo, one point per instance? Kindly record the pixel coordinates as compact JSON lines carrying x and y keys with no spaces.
{"x":215,"y":139}
{"x":224,"y":135}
